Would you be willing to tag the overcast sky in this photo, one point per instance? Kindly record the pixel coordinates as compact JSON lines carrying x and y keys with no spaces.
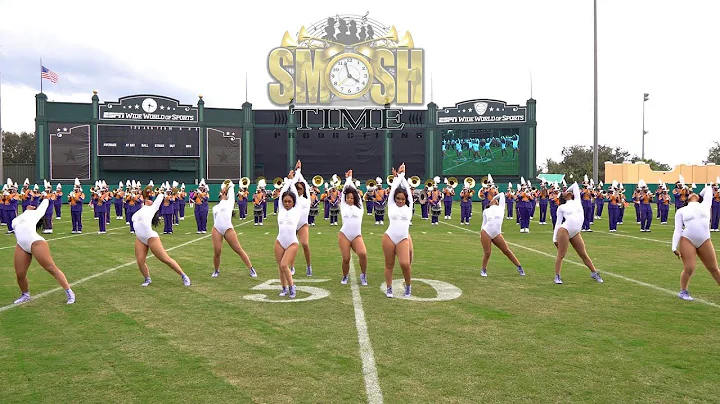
{"x":473,"y":49}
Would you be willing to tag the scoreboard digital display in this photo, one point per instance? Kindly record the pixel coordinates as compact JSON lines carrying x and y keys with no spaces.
{"x":148,"y":141}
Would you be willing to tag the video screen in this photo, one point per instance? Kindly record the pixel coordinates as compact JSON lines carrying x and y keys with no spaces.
{"x":481,"y":151}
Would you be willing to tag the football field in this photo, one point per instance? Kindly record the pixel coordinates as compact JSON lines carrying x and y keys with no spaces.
{"x":461,"y":338}
{"x":466,"y":165}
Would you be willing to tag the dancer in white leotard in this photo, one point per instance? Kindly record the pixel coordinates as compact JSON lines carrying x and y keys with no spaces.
{"x":223,"y":228}
{"x":29,"y":245}
{"x":350,"y":236}
{"x":303,"y":204}
{"x":491,"y":233}
{"x":396,"y":241}
{"x":566,"y":233}
{"x":147,"y":238}
{"x":692,"y":238}
{"x":286,"y":243}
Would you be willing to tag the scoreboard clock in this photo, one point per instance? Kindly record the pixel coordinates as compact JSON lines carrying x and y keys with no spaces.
{"x":148,"y":141}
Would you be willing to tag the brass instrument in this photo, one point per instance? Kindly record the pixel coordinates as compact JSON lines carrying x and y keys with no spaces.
{"x":469,"y":182}
{"x":422,"y":198}
{"x":414,"y":181}
{"x":318,"y":180}
{"x":244,"y":182}
{"x":278,"y":182}
{"x":429,"y":183}
{"x":452,"y":182}
{"x":371,"y":183}
{"x":390,"y":179}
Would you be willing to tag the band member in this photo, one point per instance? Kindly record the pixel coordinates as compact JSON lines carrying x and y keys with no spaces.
{"x":381,"y":199}
{"x":29,"y":245}
{"x":9,"y":205}
{"x":645,"y":198}
{"x":175,"y":204}
{"x":543,"y":200}
{"x":396,"y":241}
{"x":276,"y":200}
{"x":26,"y":195}
{"x":201,"y":207}
{"x":334,"y":199}
{"x":465,"y":205}
{"x":93,"y":199}
{"x":636,"y":202}
{"x":554,"y":202}
{"x":658,"y":192}
{"x":491,"y":233}
{"x":424,"y":206}
{"x":691,"y":238}
{"x":614,"y":201}
{"x":223,"y":229}
{"x":314,"y":206}
{"x":623,"y":201}
{"x":76,"y":199}
{"x":587,"y":195}
{"x":265,"y":196}
{"x":303,"y":204}
{"x":128,"y":189}
{"x":715,"y":220}
{"x":286,"y":243}
{"x":510,"y":200}
{"x":369,"y":197}
{"x":664,"y":205}
{"x":258,"y":207}
{"x":48,"y":219}
{"x":58,"y":201}
{"x":681,"y":194}
{"x":102,"y":206}
{"x":166,"y":209}
{"x":525,"y":201}
{"x":148,"y":239}
{"x":182,"y":201}
{"x":434,"y":202}
{"x":350,"y":236}
{"x":325,"y":198}
{"x":599,"y":201}
{"x":242,"y":202}
{"x":571,"y":215}
{"x":134,"y":202}
{"x":448,"y":195}
{"x":118,"y":198}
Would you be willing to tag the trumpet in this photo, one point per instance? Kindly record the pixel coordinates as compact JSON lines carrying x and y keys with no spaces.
{"x":414,"y":181}
{"x":452,"y":182}
{"x":244,"y":182}
{"x":318,"y":180}
{"x":278,"y":182}
{"x":469,"y":182}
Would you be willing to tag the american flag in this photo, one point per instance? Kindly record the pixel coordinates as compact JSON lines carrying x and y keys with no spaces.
{"x":49,"y":74}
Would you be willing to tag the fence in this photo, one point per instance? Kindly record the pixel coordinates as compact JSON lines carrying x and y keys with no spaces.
{"x":18,"y":173}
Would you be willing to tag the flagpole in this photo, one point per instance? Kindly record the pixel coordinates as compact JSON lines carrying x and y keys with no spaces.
{"x":40,"y":75}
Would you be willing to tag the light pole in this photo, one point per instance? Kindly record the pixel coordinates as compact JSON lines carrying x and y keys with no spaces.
{"x":645,"y":98}
{"x":595,"y":143}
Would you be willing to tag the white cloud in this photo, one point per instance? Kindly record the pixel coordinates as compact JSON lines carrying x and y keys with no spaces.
{"x":477,"y":49}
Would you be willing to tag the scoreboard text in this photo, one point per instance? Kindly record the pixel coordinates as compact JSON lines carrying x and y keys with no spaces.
{"x":149,"y":141}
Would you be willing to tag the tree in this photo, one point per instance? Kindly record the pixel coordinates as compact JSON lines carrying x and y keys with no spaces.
{"x":713,"y":154}
{"x":578,"y":161}
{"x":18,"y":148}
{"x":654,"y":165}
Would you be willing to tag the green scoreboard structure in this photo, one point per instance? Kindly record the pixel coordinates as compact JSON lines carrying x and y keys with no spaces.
{"x":144,"y":137}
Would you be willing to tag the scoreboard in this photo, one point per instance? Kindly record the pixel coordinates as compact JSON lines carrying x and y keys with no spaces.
{"x":148,"y":141}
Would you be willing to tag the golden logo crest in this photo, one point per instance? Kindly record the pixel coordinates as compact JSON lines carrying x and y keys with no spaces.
{"x":348,"y":57}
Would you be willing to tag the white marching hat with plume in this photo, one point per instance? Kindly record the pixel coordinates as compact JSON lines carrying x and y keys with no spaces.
{"x":77,"y":182}
{"x":378,"y":180}
{"x":9,"y":182}
{"x":58,"y":186}
{"x":182,"y":186}
{"x":175,"y":184}
{"x":120,"y":185}
{"x":26,"y":182}
{"x":36,"y":188}
{"x":151,"y":184}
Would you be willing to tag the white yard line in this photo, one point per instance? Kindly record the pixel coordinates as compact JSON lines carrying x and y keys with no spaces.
{"x":71,"y":236}
{"x":372,"y":383}
{"x":105,"y":272}
{"x":647,"y":285}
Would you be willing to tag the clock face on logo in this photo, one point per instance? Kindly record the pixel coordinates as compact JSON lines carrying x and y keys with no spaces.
{"x":350,"y":76}
{"x":149,"y":105}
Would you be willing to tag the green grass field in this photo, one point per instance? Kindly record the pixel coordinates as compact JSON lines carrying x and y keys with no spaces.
{"x":505,"y":338}
{"x":466,"y":165}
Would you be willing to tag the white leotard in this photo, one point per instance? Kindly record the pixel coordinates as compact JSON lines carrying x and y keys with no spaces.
{"x":400,"y":216}
{"x":303,"y":201}
{"x":288,"y":219}
{"x":222,"y":212}
{"x":25,"y":226}
{"x":352,"y":216}
{"x":142,"y":220}
{"x":493,"y":217}
{"x":572,"y":212}
{"x":695,"y":217}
